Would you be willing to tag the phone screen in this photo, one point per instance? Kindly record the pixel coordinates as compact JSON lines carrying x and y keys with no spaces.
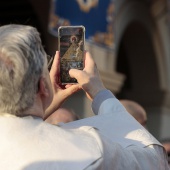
{"x":71,"y":47}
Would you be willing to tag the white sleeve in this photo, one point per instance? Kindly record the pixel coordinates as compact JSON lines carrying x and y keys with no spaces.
{"x":131,"y":158}
{"x":125,"y":143}
{"x":135,"y":145}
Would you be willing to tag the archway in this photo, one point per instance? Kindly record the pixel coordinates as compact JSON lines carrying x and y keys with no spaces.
{"x":136,"y":59}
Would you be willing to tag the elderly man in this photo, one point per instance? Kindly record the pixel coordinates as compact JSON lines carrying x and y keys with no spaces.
{"x":28,"y":94}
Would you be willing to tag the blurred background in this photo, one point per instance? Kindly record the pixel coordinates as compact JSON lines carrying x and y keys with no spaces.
{"x":129,"y":40}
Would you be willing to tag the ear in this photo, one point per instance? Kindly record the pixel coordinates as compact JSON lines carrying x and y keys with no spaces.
{"x":43,"y":88}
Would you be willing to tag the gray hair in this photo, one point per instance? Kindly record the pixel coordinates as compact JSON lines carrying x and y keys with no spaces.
{"x":22,"y":59}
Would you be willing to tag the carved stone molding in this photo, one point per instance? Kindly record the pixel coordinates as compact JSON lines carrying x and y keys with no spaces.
{"x":112,"y":80}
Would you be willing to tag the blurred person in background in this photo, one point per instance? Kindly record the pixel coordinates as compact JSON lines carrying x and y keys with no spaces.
{"x":166,"y":144}
{"x":136,"y":110}
{"x":62,"y":115}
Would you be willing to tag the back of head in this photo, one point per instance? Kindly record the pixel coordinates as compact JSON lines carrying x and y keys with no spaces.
{"x":136,"y":110}
{"x":21,"y":63}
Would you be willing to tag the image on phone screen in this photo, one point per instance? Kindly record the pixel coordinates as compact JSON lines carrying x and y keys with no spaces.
{"x":71,"y":47}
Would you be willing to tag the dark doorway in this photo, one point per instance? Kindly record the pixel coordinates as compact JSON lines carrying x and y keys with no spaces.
{"x":136,"y":59}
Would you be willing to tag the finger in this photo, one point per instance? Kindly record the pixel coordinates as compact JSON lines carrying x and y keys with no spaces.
{"x":55,"y":64}
{"x":74,"y":73}
{"x":89,"y":62}
{"x":69,"y":85}
{"x":70,"y":90}
{"x":55,"y":67}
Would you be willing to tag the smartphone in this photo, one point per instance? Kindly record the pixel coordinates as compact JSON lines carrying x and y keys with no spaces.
{"x":71,"y":42}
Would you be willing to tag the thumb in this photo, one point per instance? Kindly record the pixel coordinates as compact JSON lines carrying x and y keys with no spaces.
{"x":75,"y":73}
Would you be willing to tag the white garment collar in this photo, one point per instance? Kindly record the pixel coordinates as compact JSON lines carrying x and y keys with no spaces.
{"x":25,"y":117}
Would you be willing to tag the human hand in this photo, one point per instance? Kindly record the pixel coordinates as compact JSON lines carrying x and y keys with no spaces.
{"x":60,"y":92}
{"x":88,"y":79}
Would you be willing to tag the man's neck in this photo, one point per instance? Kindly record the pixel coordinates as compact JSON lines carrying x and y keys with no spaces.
{"x":36,"y":110}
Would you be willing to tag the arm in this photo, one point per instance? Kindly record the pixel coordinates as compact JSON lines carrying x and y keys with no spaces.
{"x":124,"y":141}
{"x":60,"y":93}
{"x":113,"y":115}
{"x":88,"y":80}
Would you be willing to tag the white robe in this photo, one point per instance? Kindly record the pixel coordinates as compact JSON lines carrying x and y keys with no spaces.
{"x":111,"y":140}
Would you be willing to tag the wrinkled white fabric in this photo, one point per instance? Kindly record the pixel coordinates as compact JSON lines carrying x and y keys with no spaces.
{"x":110,"y":140}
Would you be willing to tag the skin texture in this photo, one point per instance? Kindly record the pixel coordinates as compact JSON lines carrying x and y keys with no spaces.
{"x":167,"y":146}
{"x":88,"y":79}
{"x":62,"y":115}
{"x":136,"y":110}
